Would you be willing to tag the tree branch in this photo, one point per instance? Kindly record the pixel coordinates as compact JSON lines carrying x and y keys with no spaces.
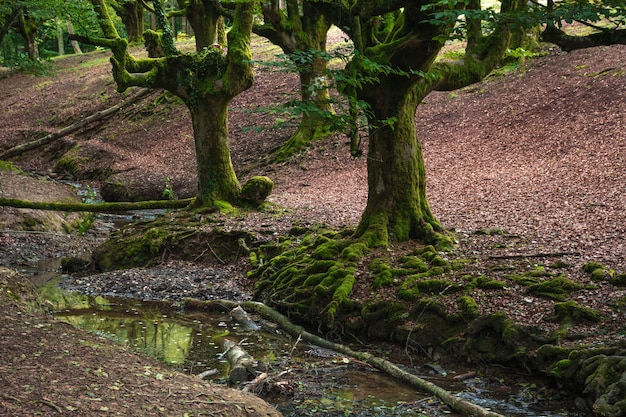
{"x":96,"y":208}
{"x":25,"y":147}
{"x":462,"y":406}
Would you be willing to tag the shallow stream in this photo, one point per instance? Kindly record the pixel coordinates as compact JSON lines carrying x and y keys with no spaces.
{"x":321,"y":382}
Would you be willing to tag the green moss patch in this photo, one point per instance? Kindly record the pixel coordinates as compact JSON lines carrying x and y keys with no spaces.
{"x":596,"y":271}
{"x":555,"y":288}
{"x":572,"y":312}
{"x":257,"y":189}
{"x":619,"y":280}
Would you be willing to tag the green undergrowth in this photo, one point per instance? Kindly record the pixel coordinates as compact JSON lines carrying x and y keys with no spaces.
{"x":596,"y":373}
{"x":307,"y":272}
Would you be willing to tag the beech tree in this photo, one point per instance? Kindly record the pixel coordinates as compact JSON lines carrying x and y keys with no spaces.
{"x":397,"y":43}
{"x":395,"y":65}
{"x":131,"y":12}
{"x":300,"y":30}
{"x":206,"y":81}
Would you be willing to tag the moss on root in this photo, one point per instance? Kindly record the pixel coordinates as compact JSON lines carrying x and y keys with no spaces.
{"x":141,"y":243}
{"x":572,"y":312}
{"x":555,"y":288}
{"x":598,"y":374}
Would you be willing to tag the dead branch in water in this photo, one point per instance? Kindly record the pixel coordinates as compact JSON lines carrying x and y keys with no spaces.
{"x":457,"y":404}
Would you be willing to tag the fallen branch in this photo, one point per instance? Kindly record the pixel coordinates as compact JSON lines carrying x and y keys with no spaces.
{"x":457,"y":404}
{"x":19,"y":149}
{"x":243,"y":367}
{"x":98,"y":207}
{"x":535,"y":255}
{"x":240,"y":316}
{"x":207,"y":373}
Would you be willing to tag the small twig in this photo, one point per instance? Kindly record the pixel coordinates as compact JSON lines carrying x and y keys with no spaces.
{"x":215,"y":254}
{"x":295,"y":344}
{"x":201,"y":255}
{"x":50,"y":404}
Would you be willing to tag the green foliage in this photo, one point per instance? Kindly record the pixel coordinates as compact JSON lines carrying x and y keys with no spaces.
{"x":613,"y":11}
{"x":343,"y":80}
{"x":168,"y":191}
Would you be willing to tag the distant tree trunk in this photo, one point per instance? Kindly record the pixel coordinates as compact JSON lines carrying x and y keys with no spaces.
{"x":314,"y":90}
{"x":28,"y":27}
{"x":295,"y":26}
{"x":75,"y":45}
{"x":60,"y":41}
{"x":8,"y":21}
{"x":216,"y":176}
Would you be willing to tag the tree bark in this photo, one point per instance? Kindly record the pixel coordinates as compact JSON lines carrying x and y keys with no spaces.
{"x":569,"y":42}
{"x":28,"y":29}
{"x":74,"y":43}
{"x":131,"y":13}
{"x":216,"y":176}
{"x":462,"y":406}
{"x":203,"y":18}
{"x":397,"y":207}
{"x":243,"y":367}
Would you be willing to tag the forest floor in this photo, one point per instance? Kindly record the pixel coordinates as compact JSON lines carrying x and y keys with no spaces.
{"x":527,"y":167}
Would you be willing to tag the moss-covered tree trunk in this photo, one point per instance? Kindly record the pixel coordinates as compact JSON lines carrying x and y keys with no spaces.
{"x":216,"y":176}
{"x":28,"y":27}
{"x":397,"y":207}
{"x":131,"y":13}
{"x":206,"y":80}
{"x":300,"y":28}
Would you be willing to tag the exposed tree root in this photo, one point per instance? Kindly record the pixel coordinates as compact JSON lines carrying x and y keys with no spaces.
{"x":462,"y":406}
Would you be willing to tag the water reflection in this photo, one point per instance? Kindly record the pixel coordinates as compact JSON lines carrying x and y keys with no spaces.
{"x":188,"y":341}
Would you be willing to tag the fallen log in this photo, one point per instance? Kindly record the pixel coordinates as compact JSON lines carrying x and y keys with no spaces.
{"x":207,"y":373}
{"x":118,"y":207}
{"x":19,"y":149}
{"x":457,"y":404}
{"x":241,"y":317}
{"x":243,"y":367}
